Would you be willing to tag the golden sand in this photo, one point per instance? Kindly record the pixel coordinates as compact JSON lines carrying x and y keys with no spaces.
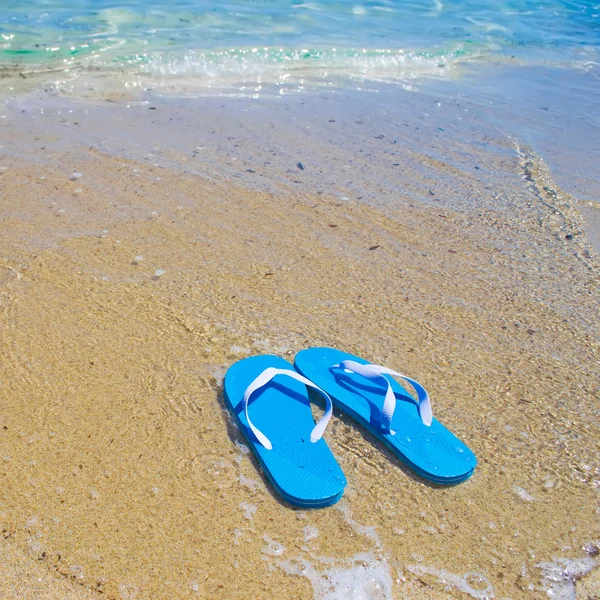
{"x":121,"y":470}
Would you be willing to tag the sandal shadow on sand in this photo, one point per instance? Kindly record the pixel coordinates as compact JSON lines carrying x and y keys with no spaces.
{"x":406,"y":425}
{"x":270,"y":401}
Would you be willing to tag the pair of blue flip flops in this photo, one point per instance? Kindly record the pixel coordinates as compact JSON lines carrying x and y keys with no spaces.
{"x":269,"y":398}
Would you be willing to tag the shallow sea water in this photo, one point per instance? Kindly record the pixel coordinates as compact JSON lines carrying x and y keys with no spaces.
{"x":154,"y":231}
{"x":238,"y":46}
{"x":143,"y":258}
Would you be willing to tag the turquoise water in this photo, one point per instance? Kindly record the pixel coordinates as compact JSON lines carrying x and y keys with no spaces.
{"x":238,"y":42}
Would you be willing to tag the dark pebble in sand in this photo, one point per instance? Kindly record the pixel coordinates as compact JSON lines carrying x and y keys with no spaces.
{"x":300,"y":166}
{"x":569,"y":236}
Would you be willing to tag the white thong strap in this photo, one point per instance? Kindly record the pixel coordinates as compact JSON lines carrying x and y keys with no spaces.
{"x":376,"y":373}
{"x":262,"y":380}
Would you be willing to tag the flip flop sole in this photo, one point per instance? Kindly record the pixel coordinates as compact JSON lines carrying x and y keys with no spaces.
{"x":304,"y":473}
{"x":433,"y":452}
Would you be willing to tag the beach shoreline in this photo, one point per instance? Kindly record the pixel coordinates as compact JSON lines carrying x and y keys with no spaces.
{"x":145,"y":249}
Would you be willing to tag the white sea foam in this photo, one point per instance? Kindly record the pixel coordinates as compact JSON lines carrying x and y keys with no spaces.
{"x":291,"y":67}
{"x":273,"y":548}
{"x":366,"y":530}
{"x":473,"y":584}
{"x":310,"y":533}
{"x":367,"y":575}
{"x":363,"y":577}
{"x":523,"y":494}
{"x":251,"y":484}
{"x":249,"y":509}
{"x":560,"y":575}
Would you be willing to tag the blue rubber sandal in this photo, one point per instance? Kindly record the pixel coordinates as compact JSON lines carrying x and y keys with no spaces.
{"x":270,"y":400}
{"x":389,"y":412}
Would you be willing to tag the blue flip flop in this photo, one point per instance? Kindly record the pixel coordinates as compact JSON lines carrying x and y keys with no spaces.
{"x":270,"y":400}
{"x":367,"y":393}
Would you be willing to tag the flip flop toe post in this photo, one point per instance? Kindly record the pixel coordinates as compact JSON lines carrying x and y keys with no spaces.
{"x":270,"y":401}
{"x":369,"y":394}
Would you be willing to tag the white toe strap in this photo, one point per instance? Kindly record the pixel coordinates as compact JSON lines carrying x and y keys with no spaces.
{"x":262,"y":380}
{"x":376,"y":373}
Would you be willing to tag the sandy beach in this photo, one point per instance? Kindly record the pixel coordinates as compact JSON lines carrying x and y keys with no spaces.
{"x":126,"y":291}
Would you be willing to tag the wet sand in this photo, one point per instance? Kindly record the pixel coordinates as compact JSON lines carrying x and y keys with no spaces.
{"x":26,"y":578}
{"x":591,"y":214}
{"x":127,"y":291}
